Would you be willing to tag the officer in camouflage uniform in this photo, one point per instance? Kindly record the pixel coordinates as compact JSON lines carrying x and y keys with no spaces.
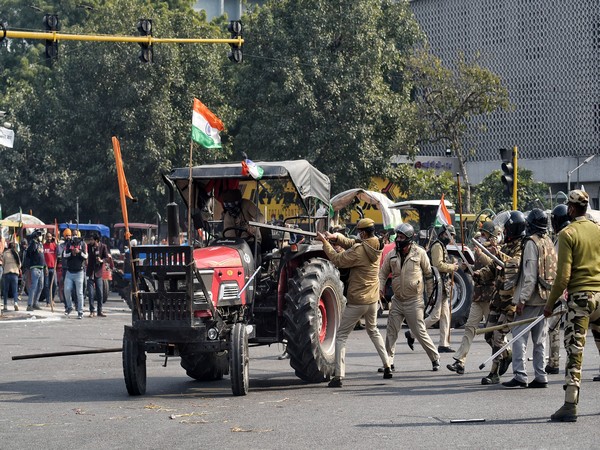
{"x":482,"y":296}
{"x":578,"y":271}
{"x":502,"y":310}
{"x":559,"y":219}
{"x":536,"y":275}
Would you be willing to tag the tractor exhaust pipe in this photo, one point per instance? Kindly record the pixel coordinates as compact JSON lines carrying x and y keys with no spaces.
{"x":172,"y":213}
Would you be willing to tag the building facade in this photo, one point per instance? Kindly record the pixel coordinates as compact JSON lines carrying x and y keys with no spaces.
{"x":547,"y":54}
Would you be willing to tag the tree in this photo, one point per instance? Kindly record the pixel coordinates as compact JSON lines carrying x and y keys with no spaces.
{"x":64,"y":120}
{"x":447,"y":99}
{"x":423,"y":184}
{"x":322,"y":80}
{"x":531,"y":194}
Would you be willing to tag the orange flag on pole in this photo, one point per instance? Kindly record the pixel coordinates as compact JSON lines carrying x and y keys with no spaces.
{"x":123,"y":187}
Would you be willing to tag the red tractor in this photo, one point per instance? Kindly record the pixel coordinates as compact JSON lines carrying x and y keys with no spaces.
{"x":208,"y":302}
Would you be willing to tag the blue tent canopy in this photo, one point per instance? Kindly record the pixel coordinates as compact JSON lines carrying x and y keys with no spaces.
{"x":102,"y":229}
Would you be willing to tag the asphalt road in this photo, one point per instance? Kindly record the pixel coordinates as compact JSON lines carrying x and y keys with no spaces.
{"x":81,"y":401}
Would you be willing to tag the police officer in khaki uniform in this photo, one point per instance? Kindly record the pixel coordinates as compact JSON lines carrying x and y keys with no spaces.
{"x":362,"y":258}
{"x":537,"y":273}
{"x":578,"y":271}
{"x":482,"y":296}
{"x":411,"y":270}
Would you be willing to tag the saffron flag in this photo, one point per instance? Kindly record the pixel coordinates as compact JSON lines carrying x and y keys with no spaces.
{"x":123,"y":187}
{"x":443,"y":216}
{"x":250,"y":168}
{"x":205,"y":126}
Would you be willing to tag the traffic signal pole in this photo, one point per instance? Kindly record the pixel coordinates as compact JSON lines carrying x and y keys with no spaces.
{"x":150,"y":40}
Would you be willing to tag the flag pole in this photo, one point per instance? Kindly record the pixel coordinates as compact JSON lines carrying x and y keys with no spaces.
{"x":189,"y":215}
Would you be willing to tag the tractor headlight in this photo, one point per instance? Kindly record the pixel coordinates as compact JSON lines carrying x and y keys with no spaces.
{"x":213,"y":334}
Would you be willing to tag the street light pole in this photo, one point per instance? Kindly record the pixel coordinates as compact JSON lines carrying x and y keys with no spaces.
{"x":570,"y":172}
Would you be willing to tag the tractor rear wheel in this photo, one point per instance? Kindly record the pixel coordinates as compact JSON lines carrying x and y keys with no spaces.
{"x":203,"y":366}
{"x":312,"y":314}
{"x":134,"y":366}
{"x":239,"y":360}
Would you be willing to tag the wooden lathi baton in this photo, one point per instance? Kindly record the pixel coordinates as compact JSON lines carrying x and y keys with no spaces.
{"x":512,"y":324}
{"x":73,"y":353}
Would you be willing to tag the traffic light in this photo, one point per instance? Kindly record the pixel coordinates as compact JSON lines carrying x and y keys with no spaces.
{"x":508,"y":170}
{"x":145,"y":29}
{"x":235,"y":28}
{"x":51,"y":23}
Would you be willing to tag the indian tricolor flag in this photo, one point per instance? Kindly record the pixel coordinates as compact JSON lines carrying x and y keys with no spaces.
{"x":205,"y":126}
{"x":443,"y":216}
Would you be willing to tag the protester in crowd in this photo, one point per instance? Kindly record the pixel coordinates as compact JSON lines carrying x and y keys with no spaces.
{"x":50,"y":257}
{"x":97,"y":256}
{"x":75,"y":255}
{"x":35,"y":262}
{"x":12,"y":270}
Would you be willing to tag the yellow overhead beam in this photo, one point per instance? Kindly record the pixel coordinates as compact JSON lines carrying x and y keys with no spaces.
{"x":150,"y":40}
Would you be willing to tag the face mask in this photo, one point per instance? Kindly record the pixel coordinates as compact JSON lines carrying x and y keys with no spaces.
{"x":401,"y":245}
{"x":233,"y":209}
{"x":482,"y":239}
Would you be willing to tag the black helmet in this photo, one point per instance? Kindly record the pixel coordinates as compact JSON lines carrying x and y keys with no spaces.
{"x":559,"y":218}
{"x":514,"y":227}
{"x":443,"y":228}
{"x":537,"y":221}
{"x":489,"y":227}
{"x":406,"y":229}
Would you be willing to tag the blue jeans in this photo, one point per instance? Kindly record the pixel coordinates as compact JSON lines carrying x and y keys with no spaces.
{"x":74,"y":283}
{"x":37,"y":284}
{"x":95,"y":292}
{"x":50,"y":292}
{"x":11,"y":284}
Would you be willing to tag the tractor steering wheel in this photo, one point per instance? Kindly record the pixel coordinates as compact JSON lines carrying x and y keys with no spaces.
{"x":238,"y":231}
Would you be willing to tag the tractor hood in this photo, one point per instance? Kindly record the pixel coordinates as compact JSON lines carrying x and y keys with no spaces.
{"x":308,"y":181}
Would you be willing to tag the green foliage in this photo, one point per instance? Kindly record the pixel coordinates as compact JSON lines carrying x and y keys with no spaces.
{"x":423,"y":184}
{"x":64,"y":120}
{"x":490,"y":193}
{"x":448,"y":99}
{"x":322,"y":81}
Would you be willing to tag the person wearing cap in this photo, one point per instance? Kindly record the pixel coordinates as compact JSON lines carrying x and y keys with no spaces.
{"x":35,"y":262}
{"x":483,"y":294}
{"x":441,"y":310}
{"x":578,"y":271}
{"x":536,"y":275}
{"x":411,"y":273}
{"x":237,"y":212}
{"x":362,"y":258}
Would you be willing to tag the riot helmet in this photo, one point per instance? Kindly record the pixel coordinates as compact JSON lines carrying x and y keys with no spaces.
{"x":559,"y":218}
{"x":537,"y":222}
{"x":515,"y":225}
{"x":407,"y":231}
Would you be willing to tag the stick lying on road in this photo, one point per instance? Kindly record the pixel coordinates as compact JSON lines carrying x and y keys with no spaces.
{"x":76,"y":352}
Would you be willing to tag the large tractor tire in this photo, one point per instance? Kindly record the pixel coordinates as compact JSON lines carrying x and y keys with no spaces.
{"x":134,"y":366}
{"x":312,"y":314}
{"x":462,"y":295}
{"x":239,"y":359}
{"x":203,"y":366}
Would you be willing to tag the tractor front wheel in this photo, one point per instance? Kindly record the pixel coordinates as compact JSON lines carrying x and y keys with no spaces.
{"x":134,"y":366}
{"x":239,"y":360}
